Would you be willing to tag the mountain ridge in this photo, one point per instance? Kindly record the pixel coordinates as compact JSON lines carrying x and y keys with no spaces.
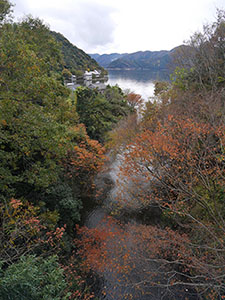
{"x":147,"y":60}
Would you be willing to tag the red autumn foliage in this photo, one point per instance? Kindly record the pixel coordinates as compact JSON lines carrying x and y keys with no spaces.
{"x":159,"y":258}
{"x":181,"y":158}
{"x":178,"y":165}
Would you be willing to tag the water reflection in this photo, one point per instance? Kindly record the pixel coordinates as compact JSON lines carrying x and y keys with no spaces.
{"x":137,"y":81}
{"x":139,"y":75}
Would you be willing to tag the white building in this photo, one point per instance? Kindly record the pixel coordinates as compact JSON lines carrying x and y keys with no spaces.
{"x":87,"y":75}
{"x":73,"y":78}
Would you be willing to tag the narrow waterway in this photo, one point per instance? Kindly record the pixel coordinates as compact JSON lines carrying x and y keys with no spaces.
{"x":135,"y":281}
{"x":116,"y":286}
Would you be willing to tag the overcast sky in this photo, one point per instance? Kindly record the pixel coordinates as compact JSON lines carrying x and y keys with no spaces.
{"x":106,"y":26}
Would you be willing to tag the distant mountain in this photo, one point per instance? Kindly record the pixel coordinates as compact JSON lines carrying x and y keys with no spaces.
{"x":105,"y":59}
{"x":156,"y":61}
{"x":75,"y":59}
{"x":152,"y":60}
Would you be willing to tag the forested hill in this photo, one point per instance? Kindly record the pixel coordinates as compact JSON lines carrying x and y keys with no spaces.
{"x":75,"y":59}
{"x":155,"y":61}
{"x":151,"y":60}
{"x":105,"y":59}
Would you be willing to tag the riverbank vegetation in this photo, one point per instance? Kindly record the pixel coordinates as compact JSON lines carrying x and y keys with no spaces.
{"x":49,"y":157}
{"x":173,"y":162}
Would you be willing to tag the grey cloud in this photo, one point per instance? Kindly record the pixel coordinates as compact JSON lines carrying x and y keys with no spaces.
{"x":88,"y":24}
{"x":20,"y":7}
{"x":96,"y":27}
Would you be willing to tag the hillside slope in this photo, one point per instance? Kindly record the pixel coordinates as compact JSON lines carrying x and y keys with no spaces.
{"x":75,"y":59}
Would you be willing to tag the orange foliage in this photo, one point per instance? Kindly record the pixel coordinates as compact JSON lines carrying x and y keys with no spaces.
{"x":134,"y":100}
{"x":95,"y":244}
{"x":183,"y":157}
{"x":179,"y":165}
{"x":145,"y":257}
{"x":23,"y":231}
{"x":85,"y":159}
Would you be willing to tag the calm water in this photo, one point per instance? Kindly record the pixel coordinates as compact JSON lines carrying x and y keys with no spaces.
{"x":137,"y":81}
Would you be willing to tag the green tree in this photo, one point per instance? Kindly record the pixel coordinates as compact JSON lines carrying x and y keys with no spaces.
{"x":5,"y":9}
{"x":119,"y":104}
{"x":38,"y":121}
{"x":29,"y":62}
{"x":94,"y":111}
{"x":47,"y":161}
{"x":99,"y":112}
{"x":33,"y":278}
{"x":202,"y":61}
